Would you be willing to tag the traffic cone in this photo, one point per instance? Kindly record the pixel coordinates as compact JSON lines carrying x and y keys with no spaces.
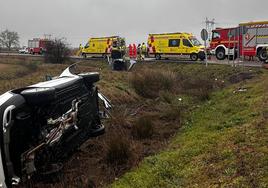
{"x":134,"y":51}
{"x":130,"y":51}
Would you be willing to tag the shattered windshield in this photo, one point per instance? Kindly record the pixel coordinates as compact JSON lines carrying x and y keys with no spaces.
{"x":195,"y":42}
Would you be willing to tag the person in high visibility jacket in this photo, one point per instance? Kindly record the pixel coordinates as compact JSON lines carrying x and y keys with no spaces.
{"x":115,"y":46}
{"x":139,"y":52}
{"x":143,"y":50}
{"x":78,"y":53}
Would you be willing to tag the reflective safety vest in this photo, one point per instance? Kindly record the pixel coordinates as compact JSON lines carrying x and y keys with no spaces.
{"x":143,"y":48}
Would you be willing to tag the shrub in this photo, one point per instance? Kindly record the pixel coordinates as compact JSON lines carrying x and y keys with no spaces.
{"x":148,"y":83}
{"x":173,"y":112}
{"x":57,"y":51}
{"x":118,"y":150}
{"x":119,"y":117}
{"x":143,"y":128}
{"x":167,"y":97}
{"x":32,"y":66}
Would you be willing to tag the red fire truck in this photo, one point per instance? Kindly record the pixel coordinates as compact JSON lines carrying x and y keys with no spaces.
{"x":37,"y":45}
{"x":248,"y":39}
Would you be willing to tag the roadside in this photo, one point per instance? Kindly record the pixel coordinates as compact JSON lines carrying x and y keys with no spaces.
{"x":213,"y":60}
{"x":157,"y":96}
{"x":223,"y":143}
{"x":3,"y":67}
{"x":140,"y":100}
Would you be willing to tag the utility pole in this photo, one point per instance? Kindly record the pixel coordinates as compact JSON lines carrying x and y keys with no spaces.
{"x":210,"y":25}
{"x":47,"y":36}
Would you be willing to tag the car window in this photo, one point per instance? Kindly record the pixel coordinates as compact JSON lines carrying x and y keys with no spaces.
{"x":187,"y":43}
{"x":195,"y":42}
{"x":216,"y":35}
{"x":174,"y":43}
{"x":87,"y":45}
{"x":233,"y":32}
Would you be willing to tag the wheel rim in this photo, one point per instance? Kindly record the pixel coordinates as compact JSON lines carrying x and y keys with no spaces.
{"x":220,"y":55}
{"x":263,"y":55}
{"x":194,"y":57}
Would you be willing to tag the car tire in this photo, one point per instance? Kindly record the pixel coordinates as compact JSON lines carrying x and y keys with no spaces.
{"x":262,"y":55}
{"x":202,"y":56}
{"x":220,"y":54}
{"x":38,"y":96}
{"x":194,"y":56}
{"x":157,"y":56}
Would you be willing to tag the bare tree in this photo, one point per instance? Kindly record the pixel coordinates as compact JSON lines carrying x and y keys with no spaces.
{"x":57,"y":51}
{"x":9,"y":39}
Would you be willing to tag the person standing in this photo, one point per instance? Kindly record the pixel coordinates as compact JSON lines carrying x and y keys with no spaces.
{"x":139,"y":51}
{"x":143,"y":50}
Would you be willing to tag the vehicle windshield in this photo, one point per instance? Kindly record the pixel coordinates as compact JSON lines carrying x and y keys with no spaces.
{"x":87,"y":45}
{"x":195,"y":42}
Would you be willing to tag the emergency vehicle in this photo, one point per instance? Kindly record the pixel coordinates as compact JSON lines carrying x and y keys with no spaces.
{"x":37,"y":46}
{"x":248,"y":39}
{"x":175,"y":44}
{"x":101,"y":46}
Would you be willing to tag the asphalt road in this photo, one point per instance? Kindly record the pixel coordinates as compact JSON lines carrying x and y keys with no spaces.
{"x":237,"y":62}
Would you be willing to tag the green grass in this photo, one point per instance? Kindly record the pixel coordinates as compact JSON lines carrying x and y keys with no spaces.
{"x":224,"y":143}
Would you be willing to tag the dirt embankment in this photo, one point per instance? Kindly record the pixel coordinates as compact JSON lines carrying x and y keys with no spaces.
{"x":3,"y":66}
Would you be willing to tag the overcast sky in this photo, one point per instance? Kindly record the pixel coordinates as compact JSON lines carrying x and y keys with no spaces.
{"x":133,"y":19}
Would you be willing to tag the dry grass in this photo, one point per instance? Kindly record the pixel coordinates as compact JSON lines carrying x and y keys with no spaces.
{"x":149,"y":83}
{"x":143,"y":128}
{"x":118,"y":150}
{"x":146,"y":105}
{"x":199,"y":87}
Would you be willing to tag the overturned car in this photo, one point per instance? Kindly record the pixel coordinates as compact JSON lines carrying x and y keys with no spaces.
{"x":43,"y":123}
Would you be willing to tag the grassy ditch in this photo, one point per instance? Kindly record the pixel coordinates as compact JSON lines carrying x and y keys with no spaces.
{"x":154,"y":106}
{"x":148,"y":113}
{"x":222,"y":143}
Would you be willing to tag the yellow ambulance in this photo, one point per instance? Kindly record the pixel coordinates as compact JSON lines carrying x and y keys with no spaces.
{"x":175,"y":44}
{"x":101,"y":46}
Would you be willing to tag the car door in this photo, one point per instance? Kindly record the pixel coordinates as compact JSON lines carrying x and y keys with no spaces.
{"x":186,"y":46}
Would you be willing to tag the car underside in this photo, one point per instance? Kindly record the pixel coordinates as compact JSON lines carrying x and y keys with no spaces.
{"x":44,"y":123}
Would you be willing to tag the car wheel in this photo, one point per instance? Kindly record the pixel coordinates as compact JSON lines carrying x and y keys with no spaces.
{"x":220,"y":54}
{"x":38,"y":96}
{"x":194,"y":57}
{"x":202,"y":56}
{"x":157,"y":56}
{"x":262,"y":55}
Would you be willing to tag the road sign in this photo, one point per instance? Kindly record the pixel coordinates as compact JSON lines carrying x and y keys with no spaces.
{"x":204,"y":34}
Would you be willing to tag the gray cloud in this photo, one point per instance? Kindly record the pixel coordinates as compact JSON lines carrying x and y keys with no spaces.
{"x":134,"y":19}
